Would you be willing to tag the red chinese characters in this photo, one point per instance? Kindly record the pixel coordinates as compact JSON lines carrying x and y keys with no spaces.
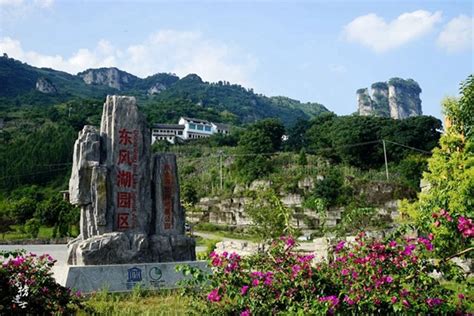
{"x":124,"y":157}
{"x":124,"y":199}
{"x":124,"y":179}
{"x":122,"y":221}
{"x":167,"y":198}
{"x":127,"y":163}
{"x":125,"y":137}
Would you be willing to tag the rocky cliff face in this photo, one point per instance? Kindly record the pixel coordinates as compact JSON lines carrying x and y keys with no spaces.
{"x":156,"y":88}
{"x":111,"y":77}
{"x":397,"y":98}
{"x":45,"y":85}
{"x":404,"y":98}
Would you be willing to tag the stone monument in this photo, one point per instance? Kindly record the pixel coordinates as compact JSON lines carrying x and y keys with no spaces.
{"x":129,"y":198}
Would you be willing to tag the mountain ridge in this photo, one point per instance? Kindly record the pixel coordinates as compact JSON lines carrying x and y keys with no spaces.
{"x":19,"y":82}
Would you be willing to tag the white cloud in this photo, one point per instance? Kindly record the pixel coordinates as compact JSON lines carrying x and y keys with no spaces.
{"x":374,"y":32}
{"x":173,"y":51}
{"x":10,"y":3}
{"x":14,"y":10}
{"x":457,"y":34}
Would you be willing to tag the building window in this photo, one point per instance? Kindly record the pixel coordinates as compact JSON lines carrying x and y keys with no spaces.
{"x":200,"y":127}
{"x":180,"y":133}
{"x":208,"y":128}
{"x":192,"y":126}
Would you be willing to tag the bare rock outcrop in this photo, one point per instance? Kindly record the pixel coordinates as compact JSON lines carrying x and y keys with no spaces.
{"x":44,"y":85}
{"x":112,"y":77}
{"x":397,"y":98}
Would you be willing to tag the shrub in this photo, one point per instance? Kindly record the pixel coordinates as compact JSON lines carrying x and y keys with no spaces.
{"x":28,"y":287}
{"x":367,"y":277}
{"x":32,"y":227}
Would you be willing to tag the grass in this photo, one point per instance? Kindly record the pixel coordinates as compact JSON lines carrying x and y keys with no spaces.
{"x":138,"y":302}
{"x":44,"y":233}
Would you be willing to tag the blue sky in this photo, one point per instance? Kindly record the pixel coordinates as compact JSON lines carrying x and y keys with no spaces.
{"x":320,"y":51}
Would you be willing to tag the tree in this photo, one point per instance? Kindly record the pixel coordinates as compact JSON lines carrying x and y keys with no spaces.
{"x":297,"y":137}
{"x":446,"y":208}
{"x":7,"y":222}
{"x":270,"y":217}
{"x":330,"y":187}
{"x":23,"y":209}
{"x":302,"y":159}
{"x":189,"y":194}
{"x":32,"y":227}
{"x":253,"y":161}
{"x":273,"y":129}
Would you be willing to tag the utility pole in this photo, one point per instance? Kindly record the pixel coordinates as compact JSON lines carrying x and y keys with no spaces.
{"x":385,"y":156}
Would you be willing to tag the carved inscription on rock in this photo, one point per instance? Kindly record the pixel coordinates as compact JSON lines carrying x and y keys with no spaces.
{"x":126,"y":182}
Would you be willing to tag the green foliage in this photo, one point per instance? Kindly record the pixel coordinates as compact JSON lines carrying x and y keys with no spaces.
{"x":255,"y":146}
{"x":189,"y":194}
{"x":411,"y":168}
{"x":348,"y":139}
{"x":450,"y":198}
{"x":50,"y":211}
{"x":6,"y":226}
{"x":28,"y":287}
{"x":23,"y":209}
{"x":368,"y":277}
{"x":302,"y":159}
{"x":39,"y":157}
{"x":270,"y":217}
{"x":32,"y":227}
{"x":330,"y":188}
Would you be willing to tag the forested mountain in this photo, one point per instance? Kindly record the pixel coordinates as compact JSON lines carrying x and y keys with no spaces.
{"x":164,"y":96}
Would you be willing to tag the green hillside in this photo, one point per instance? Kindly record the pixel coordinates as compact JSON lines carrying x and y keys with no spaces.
{"x":164,"y":96}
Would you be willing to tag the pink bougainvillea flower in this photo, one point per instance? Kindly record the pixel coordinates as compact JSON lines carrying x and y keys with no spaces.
{"x":214,"y":296}
{"x":348,"y":300}
{"x":339,"y":246}
{"x":295,"y":269}
{"x":334,"y":300}
{"x":432,"y":302}
{"x":344,"y":272}
{"x":408,"y":250}
{"x":394,"y":299}
{"x":245,"y":313}
{"x":244,"y":289}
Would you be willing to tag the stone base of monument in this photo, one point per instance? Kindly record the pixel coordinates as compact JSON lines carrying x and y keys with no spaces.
{"x":124,"y":277}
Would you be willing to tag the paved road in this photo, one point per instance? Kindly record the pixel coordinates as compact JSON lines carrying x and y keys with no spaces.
{"x":58,"y":252}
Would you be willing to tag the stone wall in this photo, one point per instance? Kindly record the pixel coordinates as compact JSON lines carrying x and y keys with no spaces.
{"x":231,"y":211}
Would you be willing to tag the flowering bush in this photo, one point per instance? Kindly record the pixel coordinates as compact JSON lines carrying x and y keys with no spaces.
{"x":392,"y":276}
{"x":28,"y":287}
{"x":367,"y":277}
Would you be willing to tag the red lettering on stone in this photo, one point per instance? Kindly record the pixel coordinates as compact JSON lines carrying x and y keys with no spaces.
{"x":124,"y":179}
{"x":167,"y":197}
{"x":125,"y":137}
{"x":122,"y":221}
{"x":124,"y":199}
{"x":124,"y":157}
